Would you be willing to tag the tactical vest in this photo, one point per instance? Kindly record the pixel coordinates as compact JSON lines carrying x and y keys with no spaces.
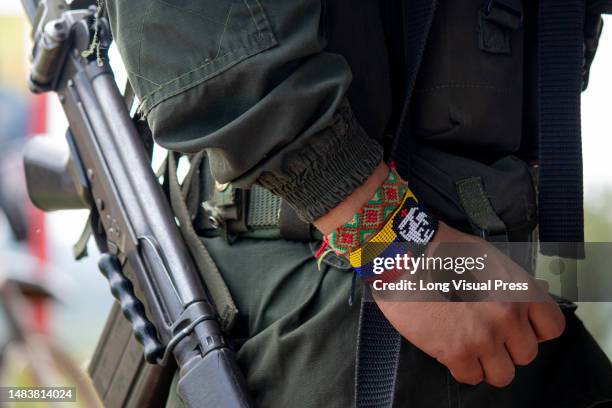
{"x":485,"y":102}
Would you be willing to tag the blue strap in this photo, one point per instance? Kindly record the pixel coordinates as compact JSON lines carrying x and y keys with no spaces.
{"x":418,"y":16}
{"x":561,"y":58}
{"x":378,"y":345}
{"x":378,"y":349}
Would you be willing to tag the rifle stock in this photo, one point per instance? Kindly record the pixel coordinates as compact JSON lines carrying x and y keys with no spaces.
{"x":146,"y":259}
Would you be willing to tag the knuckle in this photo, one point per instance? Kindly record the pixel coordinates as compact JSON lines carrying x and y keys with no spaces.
{"x":485,"y":340}
{"x":555,"y":330}
{"x":527,"y":356}
{"x":468,"y":379}
{"x":560,"y":327}
{"x":503,"y":379}
{"x":460,"y":353}
{"x":474,"y":381}
{"x":510,"y":314}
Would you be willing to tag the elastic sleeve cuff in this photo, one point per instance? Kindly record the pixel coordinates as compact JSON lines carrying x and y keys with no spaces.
{"x":333,"y":163}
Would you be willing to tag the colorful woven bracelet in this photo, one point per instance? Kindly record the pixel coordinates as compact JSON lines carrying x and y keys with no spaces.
{"x":391,"y":223}
{"x":407,"y":232}
{"x":371,"y":218}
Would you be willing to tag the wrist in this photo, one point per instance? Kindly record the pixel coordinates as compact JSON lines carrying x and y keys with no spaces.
{"x":353,"y":203}
{"x":371,"y":217}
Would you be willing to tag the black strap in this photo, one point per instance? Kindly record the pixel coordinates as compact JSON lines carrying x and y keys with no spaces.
{"x":378,"y":349}
{"x":418,"y":15}
{"x":561,"y":59}
{"x":378,"y":345}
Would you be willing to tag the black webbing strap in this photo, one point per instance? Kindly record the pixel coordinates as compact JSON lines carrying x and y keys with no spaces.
{"x":561,"y":59}
{"x":418,"y":15}
{"x":378,"y":349}
{"x":378,"y":344}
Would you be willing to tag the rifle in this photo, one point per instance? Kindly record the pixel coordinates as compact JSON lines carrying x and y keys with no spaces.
{"x":108,"y":171}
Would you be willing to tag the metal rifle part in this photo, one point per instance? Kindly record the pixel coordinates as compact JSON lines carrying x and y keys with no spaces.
{"x":50,"y":177}
{"x":137,"y":230}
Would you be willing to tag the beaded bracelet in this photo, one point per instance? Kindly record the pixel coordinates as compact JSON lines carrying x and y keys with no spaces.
{"x":408,"y":231}
{"x":391,"y":223}
{"x":370,"y":219}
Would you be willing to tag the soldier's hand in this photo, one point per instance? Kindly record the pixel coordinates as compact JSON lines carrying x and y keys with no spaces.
{"x":477,"y":341}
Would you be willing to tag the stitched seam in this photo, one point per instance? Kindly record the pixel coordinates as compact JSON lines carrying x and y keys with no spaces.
{"x":206,"y":62}
{"x":185,"y":74}
{"x":227,"y":20}
{"x":146,"y":105}
{"x":165,"y":84}
{"x":244,"y":53}
{"x":140,"y":31}
{"x":253,"y":17}
{"x":142,"y":77}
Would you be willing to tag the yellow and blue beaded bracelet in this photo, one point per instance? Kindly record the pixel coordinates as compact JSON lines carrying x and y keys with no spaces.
{"x":408,"y":231}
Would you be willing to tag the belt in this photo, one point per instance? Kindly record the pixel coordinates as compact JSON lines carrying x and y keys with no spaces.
{"x":252,"y":213}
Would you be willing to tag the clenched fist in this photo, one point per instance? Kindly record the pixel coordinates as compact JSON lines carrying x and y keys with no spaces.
{"x":477,"y":341}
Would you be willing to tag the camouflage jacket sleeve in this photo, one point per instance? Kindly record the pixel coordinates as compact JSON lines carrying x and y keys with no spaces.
{"x":250,"y":82}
